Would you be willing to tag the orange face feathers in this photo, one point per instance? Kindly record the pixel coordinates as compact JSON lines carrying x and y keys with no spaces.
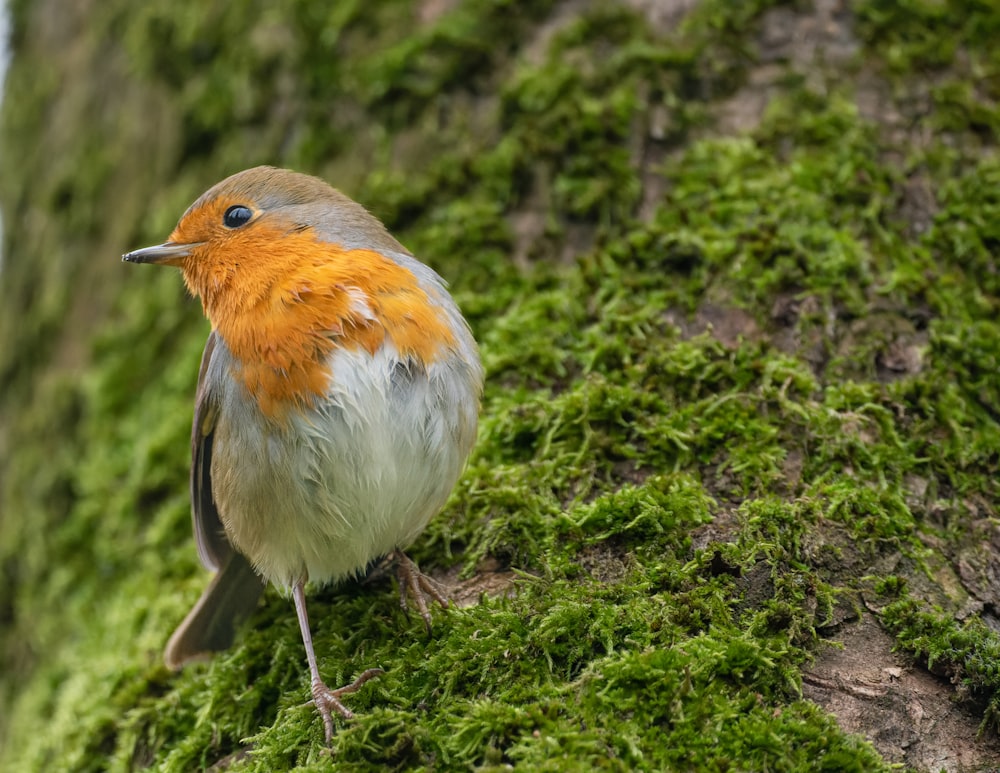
{"x":287,"y":270}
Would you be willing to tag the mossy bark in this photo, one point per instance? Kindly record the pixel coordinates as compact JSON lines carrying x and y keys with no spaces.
{"x":733,"y":268}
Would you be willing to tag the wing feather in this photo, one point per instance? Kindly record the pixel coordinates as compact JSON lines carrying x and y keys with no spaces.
{"x":214,"y":548}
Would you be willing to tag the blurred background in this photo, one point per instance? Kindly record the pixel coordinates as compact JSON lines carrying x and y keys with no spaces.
{"x":733,"y":269}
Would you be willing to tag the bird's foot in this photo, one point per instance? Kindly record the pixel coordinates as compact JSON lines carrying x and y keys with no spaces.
{"x":414,"y":583}
{"x":328,"y":701}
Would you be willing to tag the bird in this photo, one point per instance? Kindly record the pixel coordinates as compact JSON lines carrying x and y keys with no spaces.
{"x":337,"y":403}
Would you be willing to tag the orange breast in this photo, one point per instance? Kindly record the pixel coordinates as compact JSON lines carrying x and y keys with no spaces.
{"x":283,"y":300}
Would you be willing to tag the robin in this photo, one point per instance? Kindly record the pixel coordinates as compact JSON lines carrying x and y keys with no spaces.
{"x":337,"y":402}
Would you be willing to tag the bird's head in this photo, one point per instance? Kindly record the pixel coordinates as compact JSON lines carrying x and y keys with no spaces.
{"x":256,"y":229}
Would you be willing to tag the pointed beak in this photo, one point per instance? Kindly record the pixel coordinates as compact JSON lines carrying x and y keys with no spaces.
{"x":166,"y":254}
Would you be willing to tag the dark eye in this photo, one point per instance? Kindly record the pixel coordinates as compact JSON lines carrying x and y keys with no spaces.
{"x":236,"y":216}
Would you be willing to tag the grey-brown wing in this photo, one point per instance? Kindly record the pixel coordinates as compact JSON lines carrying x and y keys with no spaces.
{"x":214,"y":548}
{"x":234,"y":591}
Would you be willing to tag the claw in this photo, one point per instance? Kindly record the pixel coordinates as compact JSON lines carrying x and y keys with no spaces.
{"x":327,"y":701}
{"x":415,"y":583}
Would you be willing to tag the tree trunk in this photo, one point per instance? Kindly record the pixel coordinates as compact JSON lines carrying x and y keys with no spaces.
{"x":733,"y":268}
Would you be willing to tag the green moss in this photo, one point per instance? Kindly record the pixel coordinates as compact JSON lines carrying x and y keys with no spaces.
{"x":967,"y":654}
{"x":907,"y":30}
{"x":959,"y":71}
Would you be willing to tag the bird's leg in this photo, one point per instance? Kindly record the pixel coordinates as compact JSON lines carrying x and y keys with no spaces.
{"x":326,"y":700}
{"x":418,"y":585}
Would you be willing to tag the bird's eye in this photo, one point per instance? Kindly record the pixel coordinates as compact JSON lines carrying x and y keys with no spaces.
{"x":236,"y":216}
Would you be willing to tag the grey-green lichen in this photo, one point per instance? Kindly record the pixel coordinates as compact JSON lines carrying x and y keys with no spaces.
{"x":731,"y":375}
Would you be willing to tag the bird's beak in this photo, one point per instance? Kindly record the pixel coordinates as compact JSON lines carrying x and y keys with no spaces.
{"x":166,"y":254}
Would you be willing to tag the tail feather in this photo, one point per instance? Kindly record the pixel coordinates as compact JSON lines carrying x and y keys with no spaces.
{"x":211,"y":625}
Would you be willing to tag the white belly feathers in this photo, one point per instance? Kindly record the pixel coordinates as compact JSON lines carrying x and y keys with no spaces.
{"x":351,"y":479}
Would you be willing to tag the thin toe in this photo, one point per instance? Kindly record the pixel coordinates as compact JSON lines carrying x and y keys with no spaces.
{"x":418,"y":586}
{"x":328,"y":701}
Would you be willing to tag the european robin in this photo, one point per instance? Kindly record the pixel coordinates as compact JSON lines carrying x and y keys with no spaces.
{"x":337,"y":401}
